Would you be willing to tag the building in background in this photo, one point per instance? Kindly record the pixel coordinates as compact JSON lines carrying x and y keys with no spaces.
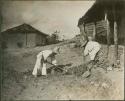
{"x":104,"y":20}
{"x":23,"y":36}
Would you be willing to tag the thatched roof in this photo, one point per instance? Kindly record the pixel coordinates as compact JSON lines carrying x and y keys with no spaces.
{"x":24,"y":28}
{"x":97,"y":11}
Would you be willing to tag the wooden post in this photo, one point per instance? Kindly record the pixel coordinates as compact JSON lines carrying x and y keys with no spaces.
{"x":94,"y":30}
{"x":108,"y":33}
{"x":115,"y":41}
{"x":106,"y":16}
{"x":1,"y":53}
{"x":115,"y":35}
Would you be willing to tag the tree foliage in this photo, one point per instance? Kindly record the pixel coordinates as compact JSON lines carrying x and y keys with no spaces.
{"x":53,"y":38}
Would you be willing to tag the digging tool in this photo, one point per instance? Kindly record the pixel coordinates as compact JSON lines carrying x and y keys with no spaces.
{"x":56,"y":66}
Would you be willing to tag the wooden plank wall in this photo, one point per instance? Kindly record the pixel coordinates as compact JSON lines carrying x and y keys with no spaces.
{"x":101,"y":29}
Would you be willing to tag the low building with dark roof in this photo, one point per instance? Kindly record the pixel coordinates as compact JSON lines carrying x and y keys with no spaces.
{"x":23,"y":36}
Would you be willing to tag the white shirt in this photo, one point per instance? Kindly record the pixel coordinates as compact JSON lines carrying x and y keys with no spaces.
{"x":91,"y":49}
{"x":45,"y":54}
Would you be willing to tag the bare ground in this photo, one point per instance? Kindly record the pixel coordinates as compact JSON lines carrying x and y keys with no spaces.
{"x":19,"y":84}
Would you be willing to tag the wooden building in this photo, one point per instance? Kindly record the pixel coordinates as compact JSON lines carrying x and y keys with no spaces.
{"x":105,"y":22}
{"x":23,"y":36}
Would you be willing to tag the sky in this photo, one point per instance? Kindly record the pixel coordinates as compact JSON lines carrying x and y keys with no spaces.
{"x":46,"y":16}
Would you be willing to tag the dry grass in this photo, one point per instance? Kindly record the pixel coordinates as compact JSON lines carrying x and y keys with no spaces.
{"x":20,"y":84}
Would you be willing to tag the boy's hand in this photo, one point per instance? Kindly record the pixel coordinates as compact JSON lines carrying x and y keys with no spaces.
{"x":54,"y":62}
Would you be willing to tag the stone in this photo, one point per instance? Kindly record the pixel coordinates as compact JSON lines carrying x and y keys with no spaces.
{"x":105,"y":85}
{"x":109,"y":68}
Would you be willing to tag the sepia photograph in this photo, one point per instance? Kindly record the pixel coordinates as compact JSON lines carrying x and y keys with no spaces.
{"x":62,"y":49}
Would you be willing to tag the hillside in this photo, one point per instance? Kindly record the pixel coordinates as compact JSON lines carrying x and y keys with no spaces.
{"x":19,"y":84}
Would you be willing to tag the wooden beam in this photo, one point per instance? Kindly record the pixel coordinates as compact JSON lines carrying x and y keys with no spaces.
{"x":116,"y":40}
{"x":1,"y":53}
{"x":115,"y":34}
{"x":108,"y":33}
{"x":106,"y":15}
